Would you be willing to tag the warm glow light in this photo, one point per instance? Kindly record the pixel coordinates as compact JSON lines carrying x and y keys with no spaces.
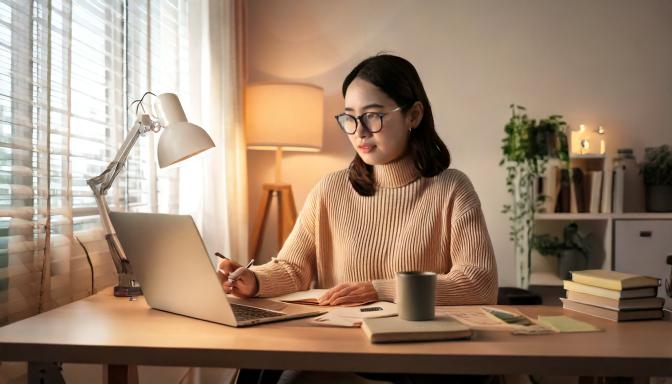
{"x":284,"y":115}
{"x":584,"y":141}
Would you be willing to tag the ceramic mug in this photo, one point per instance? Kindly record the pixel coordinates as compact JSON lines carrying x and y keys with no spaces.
{"x":416,"y":292}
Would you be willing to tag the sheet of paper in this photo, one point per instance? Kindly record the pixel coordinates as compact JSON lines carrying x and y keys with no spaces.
{"x":476,"y":318}
{"x":352,"y":316}
{"x":309,"y":295}
{"x":566,"y":324}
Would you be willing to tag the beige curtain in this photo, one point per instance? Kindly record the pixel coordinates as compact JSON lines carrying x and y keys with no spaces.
{"x":216,"y":44}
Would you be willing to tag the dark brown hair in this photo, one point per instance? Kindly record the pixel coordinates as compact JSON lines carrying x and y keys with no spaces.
{"x":400,"y":81}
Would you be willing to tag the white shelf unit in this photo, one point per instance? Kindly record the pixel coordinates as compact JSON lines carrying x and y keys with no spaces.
{"x":543,"y":269}
{"x":603,"y":216}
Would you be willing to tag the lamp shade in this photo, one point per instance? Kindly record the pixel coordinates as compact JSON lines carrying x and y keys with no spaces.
{"x":286,"y":116}
{"x":180,"y":139}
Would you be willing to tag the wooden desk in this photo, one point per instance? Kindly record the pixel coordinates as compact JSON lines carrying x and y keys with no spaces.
{"x":108,"y":330}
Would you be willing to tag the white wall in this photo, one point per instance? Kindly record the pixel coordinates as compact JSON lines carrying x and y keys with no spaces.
{"x":606,"y":62}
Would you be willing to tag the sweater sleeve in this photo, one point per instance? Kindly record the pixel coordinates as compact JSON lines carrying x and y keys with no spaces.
{"x":293,"y":269}
{"x":472,"y":278}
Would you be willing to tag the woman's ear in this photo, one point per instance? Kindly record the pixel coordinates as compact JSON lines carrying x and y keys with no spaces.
{"x":415,"y":114}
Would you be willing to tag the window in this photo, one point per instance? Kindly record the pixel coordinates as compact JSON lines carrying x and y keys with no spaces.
{"x":68,"y":70}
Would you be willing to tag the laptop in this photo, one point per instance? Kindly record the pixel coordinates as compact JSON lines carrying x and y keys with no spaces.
{"x":176,"y":274}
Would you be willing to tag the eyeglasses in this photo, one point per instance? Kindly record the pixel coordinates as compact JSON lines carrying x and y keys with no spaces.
{"x":371,"y":121}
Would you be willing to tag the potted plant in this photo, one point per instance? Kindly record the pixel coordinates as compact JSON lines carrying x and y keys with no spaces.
{"x":657,"y":171}
{"x":551,"y":138}
{"x":526,"y":149}
{"x":572,"y":251}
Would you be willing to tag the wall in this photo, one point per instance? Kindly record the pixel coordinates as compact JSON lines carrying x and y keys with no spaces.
{"x":606,"y":62}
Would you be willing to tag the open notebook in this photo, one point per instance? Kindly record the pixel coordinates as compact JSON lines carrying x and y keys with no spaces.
{"x":310,"y":297}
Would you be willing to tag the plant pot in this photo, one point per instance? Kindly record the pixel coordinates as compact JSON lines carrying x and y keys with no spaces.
{"x":571,"y":260}
{"x":659,"y":198}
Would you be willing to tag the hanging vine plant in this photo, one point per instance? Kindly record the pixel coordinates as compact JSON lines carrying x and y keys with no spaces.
{"x":526,"y":149}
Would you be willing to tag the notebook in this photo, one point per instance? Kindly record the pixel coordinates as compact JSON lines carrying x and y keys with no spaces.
{"x":394,"y":329}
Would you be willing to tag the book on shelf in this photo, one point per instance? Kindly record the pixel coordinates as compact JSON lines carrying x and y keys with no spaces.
{"x":595,"y":191}
{"x":610,"y":293}
{"x":618,"y":189}
{"x":549,"y":187}
{"x":394,"y":329}
{"x":607,"y":186}
{"x":616,"y":304}
{"x":578,"y":203}
{"x":605,"y":278}
{"x":564,"y":197}
{"x":610,"y":314}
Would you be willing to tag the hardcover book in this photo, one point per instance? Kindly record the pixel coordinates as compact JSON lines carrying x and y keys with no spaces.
{"x":611,"y":293}
{"x":616,"y":304}
{"x":604,"y":278}
{"x":609,"y":314}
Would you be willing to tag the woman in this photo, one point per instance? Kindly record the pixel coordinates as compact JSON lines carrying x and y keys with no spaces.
{"x":398,"y":207}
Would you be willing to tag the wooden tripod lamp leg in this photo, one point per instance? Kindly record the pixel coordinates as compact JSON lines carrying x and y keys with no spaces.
{"x":286,"y":213}
{"x":260,"y":221}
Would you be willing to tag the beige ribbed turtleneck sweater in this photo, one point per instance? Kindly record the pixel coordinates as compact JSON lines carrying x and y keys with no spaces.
{"x":412,"y":223}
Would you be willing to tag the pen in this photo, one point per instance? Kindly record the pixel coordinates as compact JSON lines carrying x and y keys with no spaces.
{"x":235,"y":274}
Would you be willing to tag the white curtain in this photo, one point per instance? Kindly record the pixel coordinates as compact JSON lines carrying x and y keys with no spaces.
{"x":216,"y":84}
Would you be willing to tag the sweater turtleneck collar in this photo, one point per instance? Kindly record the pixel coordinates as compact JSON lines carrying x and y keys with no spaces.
{"x":396,"y":173}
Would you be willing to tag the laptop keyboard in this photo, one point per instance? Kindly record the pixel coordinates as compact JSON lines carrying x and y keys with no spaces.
{"x":244,"y":312}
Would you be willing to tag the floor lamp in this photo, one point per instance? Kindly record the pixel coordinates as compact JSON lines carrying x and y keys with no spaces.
{"x":281,"y":117}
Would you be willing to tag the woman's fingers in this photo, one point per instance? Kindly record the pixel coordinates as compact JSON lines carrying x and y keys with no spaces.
{"x":342,"y":291}
{"x":224,"y":269}
{"x":327,"y":295}
{"x":228,"y":266}
{"x":330,"y":294}
{"x":243,"y":286}
{"x":350,"y":293}
{"x":348,"y":300}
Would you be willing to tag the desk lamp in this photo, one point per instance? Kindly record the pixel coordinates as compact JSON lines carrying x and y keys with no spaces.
{"x":281,"y":117}
{"x":179,"y":141}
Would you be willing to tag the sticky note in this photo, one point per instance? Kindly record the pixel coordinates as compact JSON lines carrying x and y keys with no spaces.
{"x":565,"y":324}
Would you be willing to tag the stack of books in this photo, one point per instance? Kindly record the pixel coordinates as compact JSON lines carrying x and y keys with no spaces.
{"x":613,"y":295}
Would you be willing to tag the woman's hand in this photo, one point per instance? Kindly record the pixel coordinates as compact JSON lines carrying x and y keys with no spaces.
{"x":245,"y":285}
{"x":349,"y":293}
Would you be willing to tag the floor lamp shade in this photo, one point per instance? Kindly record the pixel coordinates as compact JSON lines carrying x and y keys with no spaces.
{"x":180,"y":138}
{"x":284,"y":116}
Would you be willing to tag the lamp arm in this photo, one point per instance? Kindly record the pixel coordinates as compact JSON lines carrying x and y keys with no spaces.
{"x":102,"y":183}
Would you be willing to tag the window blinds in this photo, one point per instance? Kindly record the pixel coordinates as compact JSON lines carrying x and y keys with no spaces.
{"x":68,"y":69}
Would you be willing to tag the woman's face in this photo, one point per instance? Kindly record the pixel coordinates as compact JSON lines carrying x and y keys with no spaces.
{"x":390,"y":142}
